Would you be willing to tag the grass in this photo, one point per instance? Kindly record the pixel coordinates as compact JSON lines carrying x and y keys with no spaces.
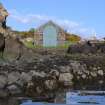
{"x":66,"y":45}
{"x":30,"y":45}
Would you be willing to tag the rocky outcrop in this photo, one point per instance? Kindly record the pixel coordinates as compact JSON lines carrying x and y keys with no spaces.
{"x":3,"y":16}
{"x":33,"y":78}
{"x":11,"y":46}
{"x":47,"y":75}
{"x":10,"y":43}
{"x":2,"y":44}
{"x":87,"y":48}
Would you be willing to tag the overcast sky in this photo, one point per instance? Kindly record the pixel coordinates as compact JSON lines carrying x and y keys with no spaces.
{"x":83,"y":17}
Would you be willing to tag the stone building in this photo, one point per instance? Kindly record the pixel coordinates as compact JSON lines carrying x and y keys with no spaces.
{"x":49,"y":34}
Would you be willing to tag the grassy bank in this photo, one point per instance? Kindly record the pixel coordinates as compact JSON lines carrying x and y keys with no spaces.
{"x":30,"y":45}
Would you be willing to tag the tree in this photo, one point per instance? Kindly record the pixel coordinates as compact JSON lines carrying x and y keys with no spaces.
{"x":25,"y":34}
{"x":32,"y":30}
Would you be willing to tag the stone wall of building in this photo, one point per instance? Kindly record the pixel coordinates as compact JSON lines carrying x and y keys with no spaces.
{"x":38,"y":38}
{"x":61,"y":37}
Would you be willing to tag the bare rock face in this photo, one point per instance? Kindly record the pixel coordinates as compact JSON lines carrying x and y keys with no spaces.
{"x":25,"y":77}
{"x":14,"y":89}
{"x":1,"y":40}
{"x":3,"y":94}
{"x":3,"y":16}
{"x":3,"y":81}
{"x":2,"y":43}
{"x":87,"y":48}
{"x":12,"y":47}
{"x":13,"y":77}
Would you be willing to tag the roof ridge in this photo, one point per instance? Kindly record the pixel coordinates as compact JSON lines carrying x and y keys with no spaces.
{"x":50,"y":22}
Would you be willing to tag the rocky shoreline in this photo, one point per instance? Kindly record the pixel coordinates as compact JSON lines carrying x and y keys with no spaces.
{"x":45,"y":72}
{"x":44,"y":76}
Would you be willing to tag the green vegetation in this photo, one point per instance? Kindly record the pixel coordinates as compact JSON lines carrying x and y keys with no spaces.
{"x":30,"y":45}
{"x":66,"y":45}
{"x":25,"y":34}
{"x":70,"y":39}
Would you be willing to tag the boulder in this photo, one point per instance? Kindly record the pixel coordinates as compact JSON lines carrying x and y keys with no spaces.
{"x":54,"y":74}
{"x":25,"y":77}
{"x":66,"y":78}
{"x":13,"y":77}
{"x":3,"y":93}
{"x":14,"y":89}
{"x":75,"y":66}
{"x":37,"y":74}
{"x":3,"y":81}
{"x":51,"y":84}
{"x":93,"y":74}
{"x":100,"y":72}
{"x":39,"y":89}
{"x":64,"y":69}
{"x":84,"y":76}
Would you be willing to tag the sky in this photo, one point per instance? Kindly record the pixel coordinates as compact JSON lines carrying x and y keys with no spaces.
{"x":83,"y":17}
